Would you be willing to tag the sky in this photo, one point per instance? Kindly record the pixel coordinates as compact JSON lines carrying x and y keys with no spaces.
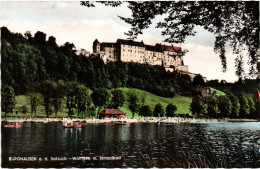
{"x":71,"y":22}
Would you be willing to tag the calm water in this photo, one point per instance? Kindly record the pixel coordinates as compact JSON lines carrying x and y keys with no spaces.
{"x":221,"y":144}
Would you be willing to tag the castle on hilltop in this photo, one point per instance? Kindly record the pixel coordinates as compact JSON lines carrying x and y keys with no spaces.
{"x":171,"y":57}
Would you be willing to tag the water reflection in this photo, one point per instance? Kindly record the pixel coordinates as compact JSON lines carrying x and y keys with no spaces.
{"x":139,"y":145}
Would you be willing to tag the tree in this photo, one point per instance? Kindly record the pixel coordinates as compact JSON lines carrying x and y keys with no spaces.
{"x":34,"y":98}
{"x":252,"y":107}
{"x":235,"y":105}
{"x":225,"y":106}
{"x":213,"y":110}
{"x":59,"y":93}
{"x":170,"y":110}
{"x":7,"y":99}
{"x":100,"y":98}
{"x":198,"y":81}
{"x":158,"y":111}
{"x":117,"y":99}
{"x":233,"y":22}
{"x":83,"y":98}
{"x":47,"y":88}
{"x":244,"y":107}
{"x":198,"y":106}
{"x":145,"y":111}
{"x":133,"y":102}
{"x":71,"y":97}
{"x":23,"y":109}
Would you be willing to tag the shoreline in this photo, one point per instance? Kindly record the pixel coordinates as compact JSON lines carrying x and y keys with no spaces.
{"x":135,"y":120}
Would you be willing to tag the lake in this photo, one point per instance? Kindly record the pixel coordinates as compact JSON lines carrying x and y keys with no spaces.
{"x":166,"y":145}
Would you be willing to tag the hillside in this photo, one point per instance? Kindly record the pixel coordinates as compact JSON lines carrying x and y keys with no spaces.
{"x":182,"y":103}
{"x":218,"y":92}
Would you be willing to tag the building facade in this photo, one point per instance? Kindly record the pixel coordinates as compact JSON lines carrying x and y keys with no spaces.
{"x":112,"y":113}
{"x":171,"y":57}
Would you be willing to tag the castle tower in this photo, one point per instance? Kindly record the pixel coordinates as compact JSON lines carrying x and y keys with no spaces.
{"x":96,"y":46}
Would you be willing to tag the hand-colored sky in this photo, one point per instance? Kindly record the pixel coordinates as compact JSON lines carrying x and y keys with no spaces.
{"x":70,"y":22}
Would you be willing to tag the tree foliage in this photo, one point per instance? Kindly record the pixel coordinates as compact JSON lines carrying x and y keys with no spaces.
{"x":31,"y":59}
{"x":170,"y":110}
{"x":133,"y":102}
{"x":213,"y":109}
{"x":252,"y":107}
{"x":198,"y":81}
{"x":198,"y":106}
{"x":83,"y":99}
{"x":158,"y":110}
{"x":244,"y":107}
{"x":225,"y":106}
{"x":117,"y":99}
{"x":100,"y":98}
{"x":71,"y":102}
{"x":34,"y":98}
{"x":58,"y":95}
{"x":234,"y":22}
{"x":145,"y":111}
{"x":46,"y":89}
{"x":235,"y":105}
{"x":7,"y":99}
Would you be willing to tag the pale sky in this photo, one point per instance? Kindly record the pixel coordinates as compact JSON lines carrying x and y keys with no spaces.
{"x":70,"y":22}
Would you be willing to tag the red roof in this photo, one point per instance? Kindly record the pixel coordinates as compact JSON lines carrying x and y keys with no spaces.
{"x":112,"y":111}
{"x":256,"y":96}
{"x":169,"y":48}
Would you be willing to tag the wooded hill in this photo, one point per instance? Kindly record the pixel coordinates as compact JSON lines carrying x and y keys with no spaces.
{"x":29,"y":59}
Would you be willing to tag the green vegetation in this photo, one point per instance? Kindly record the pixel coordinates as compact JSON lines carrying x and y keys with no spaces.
{"x":218,"y":92}
{"x":28,"y":60}
{"x":182,"y":103}
{"x":170,"y":110}
{"x":230,"y":105}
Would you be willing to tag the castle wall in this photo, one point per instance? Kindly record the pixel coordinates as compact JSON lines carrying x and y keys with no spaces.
{"x":131,"y":51}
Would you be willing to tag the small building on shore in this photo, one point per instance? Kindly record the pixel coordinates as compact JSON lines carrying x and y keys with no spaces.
{"x":111,"y":113}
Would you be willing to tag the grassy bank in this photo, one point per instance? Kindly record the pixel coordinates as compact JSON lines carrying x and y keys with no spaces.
{"x":181,"y":102}
{"x":218,"y":92}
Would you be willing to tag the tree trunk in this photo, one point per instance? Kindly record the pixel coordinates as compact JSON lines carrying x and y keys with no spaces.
{"x":31,"y":110}
{"x":35,"y":113}
{"x":56,"y":112}
{"x":133,"y":115}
